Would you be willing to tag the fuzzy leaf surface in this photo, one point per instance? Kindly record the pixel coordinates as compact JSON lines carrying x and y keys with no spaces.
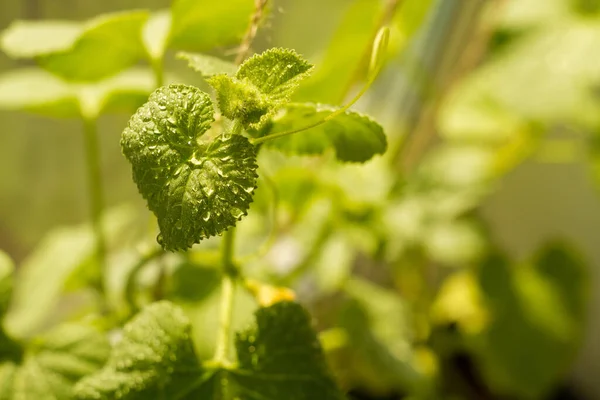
{"x":353,"y":136}
{"x":53,"y":363}
{"x":196,"y":188}
{"x":154,"y":360}
{"x":262,"y":85}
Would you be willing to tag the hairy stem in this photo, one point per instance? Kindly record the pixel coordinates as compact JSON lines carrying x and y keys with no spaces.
{"x":92,"y":152}
{"x":259,"y":9}
{"x":228,"y":286}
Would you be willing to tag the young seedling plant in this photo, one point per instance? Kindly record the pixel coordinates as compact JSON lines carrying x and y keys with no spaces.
{"x":198,"y":178}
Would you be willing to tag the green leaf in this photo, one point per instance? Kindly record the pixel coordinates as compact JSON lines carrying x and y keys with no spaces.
{"x":7,"y":269}
{"x":37,"y":91}
{"x":354,"y":137}
{"x":276,"y":72}
{"x":196,"y":189}
{"x":208,"y":65}
{"x":537,"y":314}
{"x":281,"y":357}
{"x":154,"y":359}
{"x":89,"y":51}
{"x":262,"y":84}
{"x":53,"y":363}
{"x":204,"y":24}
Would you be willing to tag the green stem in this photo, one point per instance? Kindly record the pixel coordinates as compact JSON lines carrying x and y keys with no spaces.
{"x":157,"y":68}
{"x":228,"y":286}
{"x":92,"y":152}
{"x":135,"y":271}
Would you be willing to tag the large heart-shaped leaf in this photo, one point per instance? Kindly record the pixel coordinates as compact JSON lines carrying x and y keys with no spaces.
{"x":196,"y":188}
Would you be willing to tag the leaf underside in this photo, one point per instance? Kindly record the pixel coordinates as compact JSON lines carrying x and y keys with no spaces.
{"x":196,"y":189}
{"x":355,"y":137}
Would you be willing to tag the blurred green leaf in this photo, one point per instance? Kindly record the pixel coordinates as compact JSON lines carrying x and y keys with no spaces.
{"x":410,"y":16}
{"x":537,"y":316}
{"x":28,"y":39}
{"x":199,"y":25}
{"x":343,"y":56}
{"x":89,"y":51}
{"x":208,"y":65}
{"x":378,"y":324}
{"x":353,"y":136}
{"x":53,"y":363}
{"x":55,"y":265}
{"x":37,"y":91}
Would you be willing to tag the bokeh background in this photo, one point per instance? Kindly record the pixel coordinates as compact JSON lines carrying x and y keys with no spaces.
{"x":504,"y":92}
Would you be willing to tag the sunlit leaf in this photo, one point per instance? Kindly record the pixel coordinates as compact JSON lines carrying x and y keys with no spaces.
{"x":197,"y":189}
{"x":156,"y":34}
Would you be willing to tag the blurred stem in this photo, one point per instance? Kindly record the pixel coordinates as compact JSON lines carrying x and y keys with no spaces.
{"x":92,"y":152}
{"x":259,"y":9}
{"x":135,"y":271}
{"x":157,"y":68}
{"x":228,"y":286}
{"x":464,"y":47}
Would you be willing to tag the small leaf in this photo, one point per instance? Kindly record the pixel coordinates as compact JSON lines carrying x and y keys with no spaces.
{"x":53,"y":364}
{"x":208,"y":65}
{"x":196,"y":189}
{"x":204,"y":24}
{"x":155,"y":359}
{"x":276,"y":72}
{"x":89,"y":51}
{"x":355,"y":137}
{"x":262,"y":84}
